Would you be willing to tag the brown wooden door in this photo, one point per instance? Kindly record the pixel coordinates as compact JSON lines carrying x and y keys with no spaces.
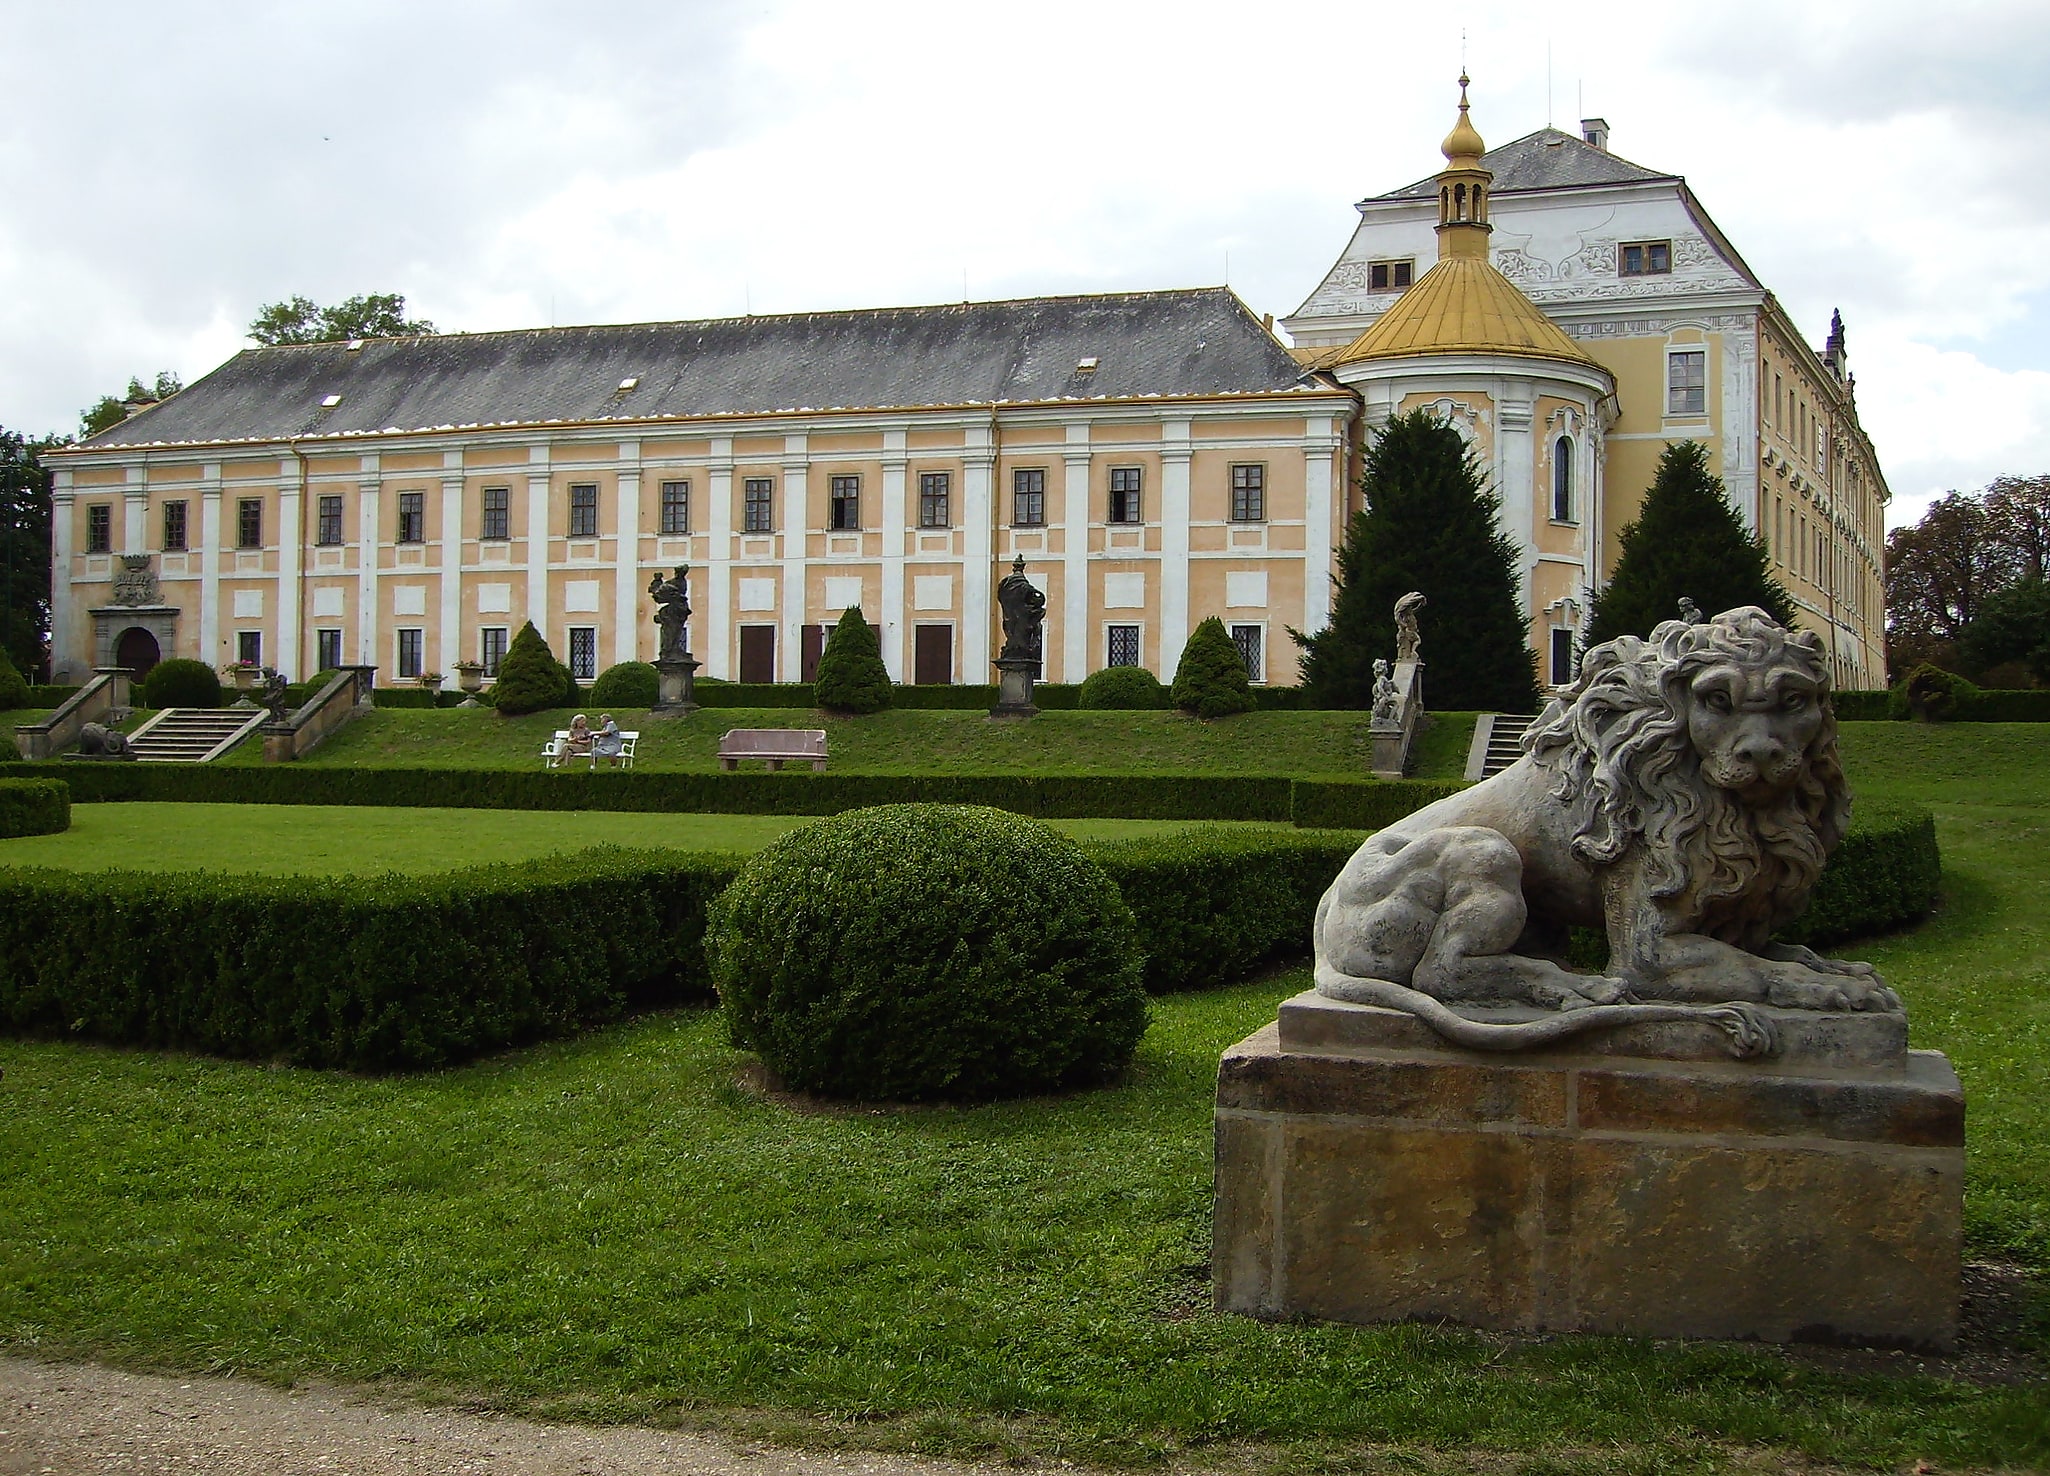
{"x":808,"y":655}
{"x":933,"y":655}
{"x":758,"y":653}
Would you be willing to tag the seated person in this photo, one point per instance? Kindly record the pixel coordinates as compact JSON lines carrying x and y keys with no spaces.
{"x":606,"y":742}
{"x":578,"y":744}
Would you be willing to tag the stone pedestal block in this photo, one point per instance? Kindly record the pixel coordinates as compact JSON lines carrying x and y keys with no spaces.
{"x":675,"y":687}
{"x":1367,"y":1172}
{"x":1014,"y":689}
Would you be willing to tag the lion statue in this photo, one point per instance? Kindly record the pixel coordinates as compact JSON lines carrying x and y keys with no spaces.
{"x":1683,"y":796}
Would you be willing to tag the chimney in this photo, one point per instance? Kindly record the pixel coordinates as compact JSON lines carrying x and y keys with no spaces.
{"x":1595,"y":131}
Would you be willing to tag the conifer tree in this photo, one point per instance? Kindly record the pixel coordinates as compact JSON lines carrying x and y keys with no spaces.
{"x":1210,"y":680}
{"x":1428,"y":525}
{"x":851,"y":677}
{"x":529,"y":676}
{"x":1687,"y":542}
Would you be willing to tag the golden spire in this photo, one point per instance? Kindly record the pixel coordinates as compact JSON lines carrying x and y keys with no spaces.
{"x":1463,"y":147}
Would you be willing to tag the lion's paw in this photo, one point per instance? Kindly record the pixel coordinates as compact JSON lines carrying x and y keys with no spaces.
{"x":1804,"y":988}
{"x":1580,"y":991}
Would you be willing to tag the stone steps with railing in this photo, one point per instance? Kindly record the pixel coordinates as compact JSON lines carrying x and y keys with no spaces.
{"x":1497,"y":743}
{"x":194,"y":735}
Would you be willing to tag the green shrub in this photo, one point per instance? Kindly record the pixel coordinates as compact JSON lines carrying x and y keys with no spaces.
{"x":851,"y":676}
{"x":1862,"y":707}
{"x":919,"y":951}
{"x":1211,"y":681}
{"x":50,"y":696}
{"x":181,"y":683}
{"x":626,"y":684}
{"x":298,"y":694}
{"x":362,"y":973}
{"x":33,"y":806}
{"x":530,"y":679}
{"x":10,"y":751}
{"x":1884,"y":874}
{"x":1339,"y":804}
{"x":13,"y":690}
{"x":2014,"y":705}
{"x":1929,"y":694}
{"x":1119,"y":689}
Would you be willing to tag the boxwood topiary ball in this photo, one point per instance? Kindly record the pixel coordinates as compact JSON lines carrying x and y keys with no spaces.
{"x":917,"y":951}
{"x":1122,"y":688}
{"x":181,"y":683}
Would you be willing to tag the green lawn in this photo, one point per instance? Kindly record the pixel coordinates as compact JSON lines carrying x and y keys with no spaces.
{"x":338,"y":839}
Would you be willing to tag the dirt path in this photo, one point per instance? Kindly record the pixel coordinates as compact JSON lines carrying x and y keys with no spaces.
{"x":83,"y":1420}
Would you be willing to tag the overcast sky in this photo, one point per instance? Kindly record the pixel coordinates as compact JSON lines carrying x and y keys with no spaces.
{"x":170,"y":168}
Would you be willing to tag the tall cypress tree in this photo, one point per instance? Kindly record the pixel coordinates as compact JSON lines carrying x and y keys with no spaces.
{"x":1429,"y":524}
{"x":1687,"y":541}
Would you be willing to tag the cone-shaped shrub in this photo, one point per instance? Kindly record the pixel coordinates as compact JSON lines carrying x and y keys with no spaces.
{"x":627,"y":684}
{"x":181,"y":683}
{"x":529,"y":676}
{"x":1122,"y":688}
{"x":1211,"y":680}
{"x":851,"y":676}
{"x":13,"y":690}
{"x":1687,"y":542}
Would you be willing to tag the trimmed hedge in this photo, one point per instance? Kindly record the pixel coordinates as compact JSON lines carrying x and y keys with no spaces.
{"x":34,"y":807}
{"x":963,"y":697}
{"x":50,"y":696}
{"x":1338,"y":804}
{"x":416,"y":697}
{"x":1861,"y":707}
{"x":362,"y":973}
{"x":1979,"y":705}
{"x":1883,"y":875}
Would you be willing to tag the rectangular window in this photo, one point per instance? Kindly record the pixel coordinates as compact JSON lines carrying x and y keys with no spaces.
{"x":249,"y":647}
{"x":327,"y":649}
{"x":1562,"y":657}
{"x":844,"y":511}
{"x":174,"y":526}
{"x":99,"y":527}
{"x":583,"y":510}
{"x":249,"y":522}
{"x":933,"y":499}
{"x":675,"y":508}
{"x":412,"y":517}
{"x":1249,"y":493}
{"x":757,"y":502}
{"x":1390,"y":276}
{"x":1028,"y":498}
{"x":1687,"y":383}
{"x":491,"y":644}
{"x":328,"y":529}
{"x":1123,"y":646}
{"x":1248,"y":639}
{"x":497,"y":519}
{"x":1645,"y":258}
{"x":583,"y":652}
{"x":1125,"y":482}
{"x":411,"y":643}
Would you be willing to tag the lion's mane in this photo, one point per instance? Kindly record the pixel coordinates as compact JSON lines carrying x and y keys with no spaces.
{"x":1619,"y":742}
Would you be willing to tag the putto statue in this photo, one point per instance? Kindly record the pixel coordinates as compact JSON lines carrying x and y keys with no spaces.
{"x":1683,"y":795}
{"x":1023,"y":608}
{"x":1387,"y":701}
{"x":672,"y":612}
{"x":1689,"y":611}
{"x":1408,"y":644}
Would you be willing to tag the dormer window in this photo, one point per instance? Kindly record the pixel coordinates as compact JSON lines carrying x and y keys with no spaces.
{"x":1644,"y":259}
{"x":1390,"y":276}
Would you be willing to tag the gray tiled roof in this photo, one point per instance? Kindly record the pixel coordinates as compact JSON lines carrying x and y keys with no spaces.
{"x":1545,"y":160}
{"x":1201,"y":341}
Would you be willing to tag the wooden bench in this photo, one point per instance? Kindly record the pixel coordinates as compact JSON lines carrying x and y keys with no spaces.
{"x":775,"y":747}
{"x":555,"y":752}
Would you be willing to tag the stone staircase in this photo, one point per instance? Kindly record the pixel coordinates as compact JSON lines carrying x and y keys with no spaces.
{"x":193,"y":735}
{"x":1497,"y":743}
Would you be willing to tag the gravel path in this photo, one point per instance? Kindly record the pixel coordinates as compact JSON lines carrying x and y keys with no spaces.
{"x":83,"y":1420}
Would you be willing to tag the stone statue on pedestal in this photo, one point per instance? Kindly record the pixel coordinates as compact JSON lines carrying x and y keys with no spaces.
{"x":1387,"y":701}
{"x":1023,"y":609}
{"x":1408,"y":644}
{"x":672,"y":612}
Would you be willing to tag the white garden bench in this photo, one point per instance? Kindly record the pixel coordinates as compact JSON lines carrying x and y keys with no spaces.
{"x":555,"y":752}
{"x":775,"y":747}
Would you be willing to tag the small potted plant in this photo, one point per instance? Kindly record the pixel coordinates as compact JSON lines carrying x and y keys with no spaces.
{"x":246,"y":674}
{"x":431,"y":680}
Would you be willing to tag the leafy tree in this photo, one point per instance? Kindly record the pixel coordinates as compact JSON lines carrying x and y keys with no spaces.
{"x":1210,"y":680}
{"x":851,"y":676}
{"x":529,"y":676}
{"x":1938,"y":573}
{"x":25,"y":550}
{"x":301,"y":320}
{"x":2018,"y":514}
{"x":1429,"y":525}
{"x":1687,"y":541}
{"x":111,"y":410}
{"x":2013,"y":625}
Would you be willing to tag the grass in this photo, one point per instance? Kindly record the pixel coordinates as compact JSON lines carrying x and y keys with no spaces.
{"x":620,"y":1228}
{"x":335,"y":839}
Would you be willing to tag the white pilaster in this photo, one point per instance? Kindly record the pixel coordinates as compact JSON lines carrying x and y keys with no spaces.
{"x":135,"y":511}
{"x":1174,"y":544}
{"x":1515,"y":483}
{"x":448,"y":641}
{"x":978,"y":557}
{"x":212,"y":551}
{"x":716,"y":602}
{"x":1740,"y":421}
{"x":626,"y":563}
{"x":796,"y":510}
{"x":1322,"y":532}
{"x":537,"y":542}
{"x":62,"y":651}
{"x":290,"y":657}
{"x":368,"y":650}
{"x":1075,"y":636}
{"x":891,"y":619}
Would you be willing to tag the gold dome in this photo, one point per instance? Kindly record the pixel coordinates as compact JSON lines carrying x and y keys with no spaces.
{"x":1463,"y":305}
{"x":1463,"y":147}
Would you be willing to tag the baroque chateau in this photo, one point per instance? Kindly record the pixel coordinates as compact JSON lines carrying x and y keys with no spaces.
{"x":1153,"y":457}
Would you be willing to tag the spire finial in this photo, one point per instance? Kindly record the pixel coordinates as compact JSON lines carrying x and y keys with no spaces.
{"x":1463,"y":144}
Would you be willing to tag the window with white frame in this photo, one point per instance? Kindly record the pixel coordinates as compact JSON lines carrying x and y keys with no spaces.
{"x":583,"y":652}
{"x":412,"y":645}
{"x":935,"y":499}
{"x":497,"y":508}
{"x":249,"y":647}
{"x":249,"y":522}
{"x":99,"y":527}
{"x":1125,"y":486}
{"x":1562,"y":656}
{"x":491,"y":643}
{"x":758,"y":505}
{"x":1644,"y":258}
{"x":675,"y":508}
{"x":1249,"y":492}
{"x":327,"y":650}
{"x":583,"y":510}
{"x":844,"y":513}
{"x":1390,"y":276}
{"x":1687,"y":382}
{"x":329,"y":530}
{"x":1562,"y":480}
{"x":1250,"y":639}
{"x":412,"y":517}
{"x":1121,"y":645}
{"x":1028,"y":497}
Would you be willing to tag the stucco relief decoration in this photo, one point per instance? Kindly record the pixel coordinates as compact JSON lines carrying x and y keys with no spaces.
{"x":135,"y":582}
{"x":1590,"y":272}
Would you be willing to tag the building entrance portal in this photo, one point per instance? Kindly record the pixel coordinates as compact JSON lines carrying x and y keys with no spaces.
{"x":138,"y":651}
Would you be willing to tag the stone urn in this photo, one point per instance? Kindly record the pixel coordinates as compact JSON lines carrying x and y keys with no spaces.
{"x":431,"y":680}
{"x":470,"y":676}
{"x":246,"y":676}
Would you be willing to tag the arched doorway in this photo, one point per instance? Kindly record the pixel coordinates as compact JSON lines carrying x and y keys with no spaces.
{"x":138,"y":651}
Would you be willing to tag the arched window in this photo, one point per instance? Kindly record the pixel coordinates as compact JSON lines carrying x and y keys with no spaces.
{"x":1459,"y":202}
{"x":1562,"y":480}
